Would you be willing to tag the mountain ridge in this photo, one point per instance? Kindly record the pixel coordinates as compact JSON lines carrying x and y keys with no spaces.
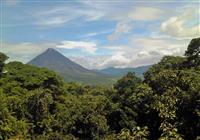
{"x":122,"y":71}
{"x":69,"y":70}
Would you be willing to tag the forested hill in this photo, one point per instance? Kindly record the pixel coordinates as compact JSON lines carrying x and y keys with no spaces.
{"x":36,"y":104}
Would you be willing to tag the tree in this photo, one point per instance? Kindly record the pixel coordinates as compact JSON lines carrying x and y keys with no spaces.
{"x":193,"y":47}
{"x":39,"y":105}
{"x":137,"y":133}
{"x":193,"y":52}
{"x":123,"y":116}
{"x":9,"y":124}
{"x":30,"y":78}
{"x":126,"y":85}
{"x":83,"y":116}
{"x":3,"y":58}
{"x":169,"y":63}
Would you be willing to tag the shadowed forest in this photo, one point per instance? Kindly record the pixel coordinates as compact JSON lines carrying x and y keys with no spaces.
{"x":36,"y":103}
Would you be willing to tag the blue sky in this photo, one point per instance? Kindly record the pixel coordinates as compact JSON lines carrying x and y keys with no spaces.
{"x":99,"y":33}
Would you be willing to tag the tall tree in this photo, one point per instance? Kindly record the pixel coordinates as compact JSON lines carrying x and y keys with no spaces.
{"x":3,"y":58}
{"x":193,"y":52}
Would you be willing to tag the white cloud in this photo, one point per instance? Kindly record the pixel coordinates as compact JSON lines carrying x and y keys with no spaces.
{"x":151,"y":50}
{"x":145,"y":13}
{"x":24,"y":51}
{"x":118,"y":59}
{"x":96,"y":33}
{"x":93,"y":11}
{"x":58,"y":16}
{"x":141,"y":51}
{"x":120,"y":29}
{"x":134,"y":12}
{"x":54,"y":21}
{"x":185,"y":25}
{"x":92,"y":15}
{"x":90,"y":47}
{"x":163,"y":46}
{"x":126,"y":19}
{"x":143,"y":54}
{"x":91,"y":62}
{"x":115,"y":47}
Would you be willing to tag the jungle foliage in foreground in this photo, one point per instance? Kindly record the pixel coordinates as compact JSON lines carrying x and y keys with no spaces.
{"x":36,"y":104}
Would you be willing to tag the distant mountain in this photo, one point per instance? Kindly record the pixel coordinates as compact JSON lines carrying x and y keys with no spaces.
{"x":70,"y":70}
{"x":122,"y":71}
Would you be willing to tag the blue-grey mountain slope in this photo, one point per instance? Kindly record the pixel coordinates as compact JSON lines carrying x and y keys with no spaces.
{"x":70,"y":70}
{"x":122,"y":71}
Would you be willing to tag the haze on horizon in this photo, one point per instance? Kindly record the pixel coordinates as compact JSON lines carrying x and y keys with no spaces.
{"x":99,"y":34}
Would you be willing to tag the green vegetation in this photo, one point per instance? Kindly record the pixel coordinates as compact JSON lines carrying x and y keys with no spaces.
{"x":37,"y":104}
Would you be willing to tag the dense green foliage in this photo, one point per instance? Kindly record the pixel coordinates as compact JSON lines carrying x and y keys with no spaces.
{"x":3,"y":58}
{"x":193,"y":52}
{"x":35,"y":103}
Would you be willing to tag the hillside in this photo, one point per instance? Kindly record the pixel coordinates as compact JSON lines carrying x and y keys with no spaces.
{"x":70,"y":70}
{"x":122,"y":71}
